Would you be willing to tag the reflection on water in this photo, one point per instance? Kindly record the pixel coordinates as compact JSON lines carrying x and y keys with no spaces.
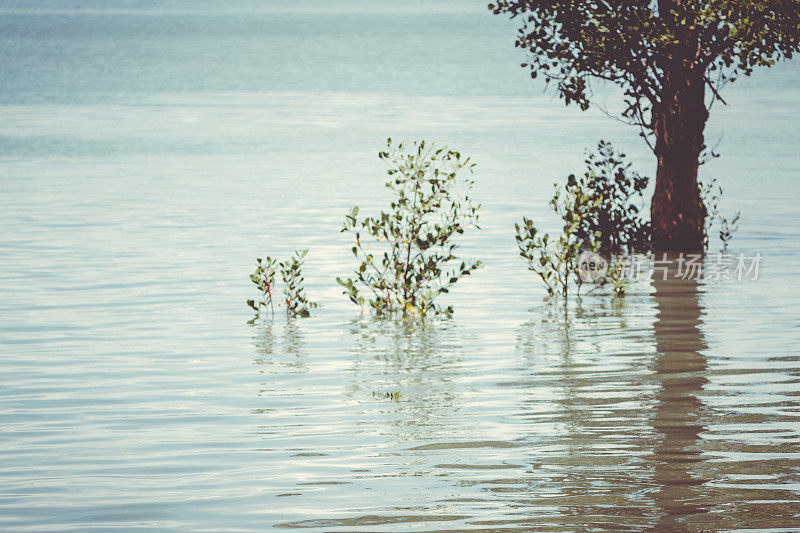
{"x":289,"y":356}
{"x":679,"y":414}
{"x":418,"y":359}
{"x":586,"y":406}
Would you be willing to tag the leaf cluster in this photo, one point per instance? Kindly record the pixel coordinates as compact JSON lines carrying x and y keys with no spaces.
{"x":294,"y":294}
{"x":264,"y":279}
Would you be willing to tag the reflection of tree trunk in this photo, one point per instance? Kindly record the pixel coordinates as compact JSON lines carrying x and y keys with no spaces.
{"x":680,"y":369}
{"x":677,"y":211}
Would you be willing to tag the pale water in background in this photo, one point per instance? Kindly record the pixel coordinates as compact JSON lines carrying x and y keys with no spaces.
{"x":149,"y":151}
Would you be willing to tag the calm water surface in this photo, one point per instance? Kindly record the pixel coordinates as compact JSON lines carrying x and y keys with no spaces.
{"x":149,"y":152}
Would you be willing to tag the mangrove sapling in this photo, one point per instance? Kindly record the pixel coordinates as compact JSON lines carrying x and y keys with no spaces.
{"x":601,"y":216}
{"x":407,"y":255}
{"x":264,"y":279}
{"x":557,"y":265}
{"x":294,"y":297}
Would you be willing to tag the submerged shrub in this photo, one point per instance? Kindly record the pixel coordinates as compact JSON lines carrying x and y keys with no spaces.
{"x":602,"y":225}
{"x":556,"y":260}
{"x":406,"y":255}
{"x":616,"y":225}
{"x":600,"y":221}
{"x":294,"y":299}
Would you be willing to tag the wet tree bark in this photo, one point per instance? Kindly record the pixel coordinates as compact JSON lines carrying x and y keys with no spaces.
{"x":677,"y":212}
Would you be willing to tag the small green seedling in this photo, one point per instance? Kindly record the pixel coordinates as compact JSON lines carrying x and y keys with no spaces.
{"x":294,"y":299}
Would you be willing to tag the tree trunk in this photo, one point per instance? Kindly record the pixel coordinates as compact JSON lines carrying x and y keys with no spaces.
{"x":677,"y":211}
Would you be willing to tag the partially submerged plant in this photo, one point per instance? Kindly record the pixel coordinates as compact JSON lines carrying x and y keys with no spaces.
{"x":617,"y":224}
{"x":294,"y":297}
{"x":406,"y":255}
{"x":264,"y":279}
{"x":556,"y":261}
{"x":600,"y":221}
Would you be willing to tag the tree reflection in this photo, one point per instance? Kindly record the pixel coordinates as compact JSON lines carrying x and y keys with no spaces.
{"x":678,"y":416}
{"x":585,"y":396}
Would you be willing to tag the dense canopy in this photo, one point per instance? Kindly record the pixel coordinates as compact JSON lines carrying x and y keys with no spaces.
{"x":637,"y":43}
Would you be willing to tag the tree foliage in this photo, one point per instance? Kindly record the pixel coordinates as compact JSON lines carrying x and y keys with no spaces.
{"x":649,"y":47}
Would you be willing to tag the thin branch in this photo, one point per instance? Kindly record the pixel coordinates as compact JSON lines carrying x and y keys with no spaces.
{"x":717,"y":96}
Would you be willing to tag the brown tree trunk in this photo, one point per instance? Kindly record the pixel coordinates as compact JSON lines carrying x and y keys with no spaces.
{"x":677,"y":212}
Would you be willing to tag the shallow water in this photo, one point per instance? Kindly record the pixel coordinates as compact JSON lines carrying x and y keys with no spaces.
{"x":149,"y":154}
